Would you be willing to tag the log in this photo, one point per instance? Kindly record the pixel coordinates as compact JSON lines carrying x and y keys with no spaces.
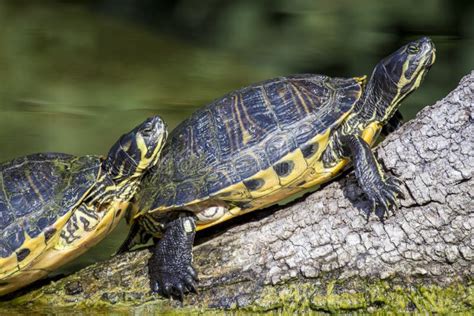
{"x":321,"y":252}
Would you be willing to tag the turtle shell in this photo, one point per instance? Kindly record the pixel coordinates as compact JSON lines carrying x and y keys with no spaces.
{"x":37,"y":195}
{"x":243,"y":133}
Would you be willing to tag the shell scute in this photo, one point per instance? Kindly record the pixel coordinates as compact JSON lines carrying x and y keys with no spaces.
{"x":14,"y":237}
{"x":305,"y":132}
{"x":279,"y":145}
{"x":186,"y":191}
{"x":226,"y":126}
{"x":166,"y":195}
{"x":5,"y":217}
{"x":255,"y":114}
{"x":33,"y":226}
{"x":246,"y":166}
{"x":223,"y":176}
{"x":204,"y":127}
{"x":281,"y":97}
{"x":5,"y":250}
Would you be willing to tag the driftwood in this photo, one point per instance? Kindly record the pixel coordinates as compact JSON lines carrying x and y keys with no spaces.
{"x":320,"y":252}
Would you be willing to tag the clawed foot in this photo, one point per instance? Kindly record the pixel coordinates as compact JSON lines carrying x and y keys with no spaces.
{"x":173,"y":281}
{"x":170,"y":266}
{"x":384,"y":196}
{"x":382,"y":190}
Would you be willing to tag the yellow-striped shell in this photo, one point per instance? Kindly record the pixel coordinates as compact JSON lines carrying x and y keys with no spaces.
{"x":250,"y":148}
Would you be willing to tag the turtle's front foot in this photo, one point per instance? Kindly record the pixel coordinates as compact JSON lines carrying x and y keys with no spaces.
{"x":383,"y":193}
{"x":170,"y":267}
{"x":382,"y":190}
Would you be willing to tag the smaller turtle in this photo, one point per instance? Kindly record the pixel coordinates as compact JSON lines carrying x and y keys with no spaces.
{"x":54,"y":206}
{"x":264,"y":143}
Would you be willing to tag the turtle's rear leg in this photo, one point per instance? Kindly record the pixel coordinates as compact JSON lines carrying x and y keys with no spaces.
{"x":141,"y":231}
{"x":170,"y":267}
{"x":137,"y":235}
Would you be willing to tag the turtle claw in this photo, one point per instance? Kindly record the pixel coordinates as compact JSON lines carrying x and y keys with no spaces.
{"x":395,"y":185}
{"x":391,"y":198}
{"x":194,"y":289}
{"x":384,"y":198}
{"x":170,"y":267}
{"x":190,"y":284}
{"x":192,"y":272}
{"x":392,"y":180}
{"x":155,"y":287}
{"x":179,"y":292}
{"x":173,"y":284}
{"x":166,"y":290}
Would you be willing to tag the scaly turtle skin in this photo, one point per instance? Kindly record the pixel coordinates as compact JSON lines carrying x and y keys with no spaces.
{"x":54,"y":206}
{"x":264,"y":143}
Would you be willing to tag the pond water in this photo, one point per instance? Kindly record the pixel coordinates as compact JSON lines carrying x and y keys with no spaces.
{"x":75,"y":75}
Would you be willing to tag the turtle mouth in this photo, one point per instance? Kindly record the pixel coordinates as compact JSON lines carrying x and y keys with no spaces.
{"x":429,"y":49}
{"x":429,"y":63}
{"x":432,"y":58}
{"x":158,"y":138}
{"x":423,"y":75}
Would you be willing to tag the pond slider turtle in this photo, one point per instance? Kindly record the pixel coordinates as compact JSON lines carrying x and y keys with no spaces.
{"x":55,"y":206}
{"x":261,"y":144}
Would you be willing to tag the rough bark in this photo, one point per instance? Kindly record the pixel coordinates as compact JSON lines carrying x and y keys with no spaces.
{"x":320,"y":252}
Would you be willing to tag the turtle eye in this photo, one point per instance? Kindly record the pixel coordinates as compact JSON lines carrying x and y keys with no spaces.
{"x":413,"y":49}
{"x":148,"y":128}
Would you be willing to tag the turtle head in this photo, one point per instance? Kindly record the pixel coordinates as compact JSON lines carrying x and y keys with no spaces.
{"x":401,"y":73}
{"x":137,"y":150}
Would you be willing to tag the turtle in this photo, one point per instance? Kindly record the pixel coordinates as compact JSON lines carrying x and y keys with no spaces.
{"x":261,"y":144}
{"x":55,"y":206}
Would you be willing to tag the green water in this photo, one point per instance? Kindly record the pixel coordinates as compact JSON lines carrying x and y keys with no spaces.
{"x":75,"y":75}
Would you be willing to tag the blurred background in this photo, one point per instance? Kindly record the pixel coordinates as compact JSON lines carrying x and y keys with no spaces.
{"x":76,"y":74}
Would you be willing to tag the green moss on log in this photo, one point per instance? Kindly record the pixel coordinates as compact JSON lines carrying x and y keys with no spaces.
{"x":331,"y":296}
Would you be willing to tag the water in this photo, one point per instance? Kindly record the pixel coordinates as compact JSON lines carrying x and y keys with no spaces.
{"x":76,"y":75}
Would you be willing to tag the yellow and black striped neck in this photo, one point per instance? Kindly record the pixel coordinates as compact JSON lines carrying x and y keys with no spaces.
{"x":127,"y":161}
{"x":106,"y":190}
{"x":392,"y":80}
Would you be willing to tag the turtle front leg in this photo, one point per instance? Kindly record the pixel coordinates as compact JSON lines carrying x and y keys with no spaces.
{"x":170,"y":267}
{"x":381,"y":189}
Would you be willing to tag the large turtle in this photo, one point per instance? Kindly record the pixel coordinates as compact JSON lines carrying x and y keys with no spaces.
{"x":263,"y":143}
{"x":54,"y":206}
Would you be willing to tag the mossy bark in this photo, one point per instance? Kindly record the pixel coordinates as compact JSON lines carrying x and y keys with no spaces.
{"x":320,"y":252}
